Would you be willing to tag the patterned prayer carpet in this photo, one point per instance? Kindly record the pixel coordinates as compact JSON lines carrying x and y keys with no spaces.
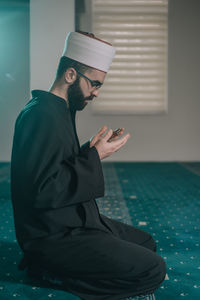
{"x":161,"y":198}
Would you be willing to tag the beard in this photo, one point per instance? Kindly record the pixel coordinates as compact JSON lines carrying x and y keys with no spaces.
{"x":75,"y":96}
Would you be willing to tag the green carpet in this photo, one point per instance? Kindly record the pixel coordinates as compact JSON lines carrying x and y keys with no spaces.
{"x":161,"y":198}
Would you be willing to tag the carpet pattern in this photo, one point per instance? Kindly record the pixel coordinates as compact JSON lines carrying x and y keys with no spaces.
{"x":161,"y":198}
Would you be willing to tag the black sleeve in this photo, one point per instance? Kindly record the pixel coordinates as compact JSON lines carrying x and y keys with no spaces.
{"x":45,"y":168}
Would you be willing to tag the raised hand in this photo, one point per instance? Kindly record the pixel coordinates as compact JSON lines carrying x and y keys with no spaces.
{"x":106,"y":146}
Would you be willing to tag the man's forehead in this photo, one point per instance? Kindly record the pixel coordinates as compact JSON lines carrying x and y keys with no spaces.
{"x":96,"y":74}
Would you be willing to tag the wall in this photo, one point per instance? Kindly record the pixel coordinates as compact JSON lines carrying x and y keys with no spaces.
{"x":174,"y":136}
{"x":14,"y":68}
{"x":170,"y":137}
{"x":50,"y":21}
{"x":49,"y":24}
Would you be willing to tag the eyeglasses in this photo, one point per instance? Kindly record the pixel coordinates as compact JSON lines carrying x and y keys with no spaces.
{"x":94,"y":83}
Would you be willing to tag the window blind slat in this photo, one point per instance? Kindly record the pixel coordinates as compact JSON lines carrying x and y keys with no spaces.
{"x":131,"y":10}
{"x":135,"y":80}
{"x":138,"y":29}
{"x":99,"y":18}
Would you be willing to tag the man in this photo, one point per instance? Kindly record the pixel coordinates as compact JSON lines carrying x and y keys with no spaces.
{"x":54,"y":184}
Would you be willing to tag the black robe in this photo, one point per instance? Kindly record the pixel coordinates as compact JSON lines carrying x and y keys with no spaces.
{"x":54,"y":183}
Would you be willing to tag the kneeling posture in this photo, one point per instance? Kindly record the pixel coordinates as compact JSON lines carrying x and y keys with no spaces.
{"x":55,"y":182}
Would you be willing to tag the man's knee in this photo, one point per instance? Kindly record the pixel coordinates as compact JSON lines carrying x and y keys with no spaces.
{"x":148,"y":277}
{"x":158,"y":272}
{"x":152,"y":270}
{"x":162,"y":269}
{"x":149,"y":243}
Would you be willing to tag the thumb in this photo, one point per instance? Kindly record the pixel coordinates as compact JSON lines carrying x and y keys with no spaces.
{"x":108,"y":135}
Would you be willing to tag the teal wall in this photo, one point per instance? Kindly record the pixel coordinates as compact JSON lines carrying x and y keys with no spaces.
{"x":14,"y":67}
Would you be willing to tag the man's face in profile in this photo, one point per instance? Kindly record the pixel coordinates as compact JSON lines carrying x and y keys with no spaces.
{"x":81,"y":91}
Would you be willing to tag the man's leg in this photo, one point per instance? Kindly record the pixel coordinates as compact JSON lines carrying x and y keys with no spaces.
{"x":130,"y":233}
{"x":95,"y":265}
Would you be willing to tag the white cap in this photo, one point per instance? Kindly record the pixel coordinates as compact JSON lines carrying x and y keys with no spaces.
{"x":89,"y":50}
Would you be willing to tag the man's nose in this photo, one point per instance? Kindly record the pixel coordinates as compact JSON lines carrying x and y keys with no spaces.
{"x":95,"y":93}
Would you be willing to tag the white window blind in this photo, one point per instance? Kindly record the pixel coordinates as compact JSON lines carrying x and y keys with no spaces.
{"x":137,"y":80}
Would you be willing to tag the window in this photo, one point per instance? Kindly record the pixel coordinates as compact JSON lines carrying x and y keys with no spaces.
{"x":137,"y":80}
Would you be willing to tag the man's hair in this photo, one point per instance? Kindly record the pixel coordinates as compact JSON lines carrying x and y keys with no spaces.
{"x":66,"y":63}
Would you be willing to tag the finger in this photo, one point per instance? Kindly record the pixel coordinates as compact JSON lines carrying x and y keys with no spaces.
{"x":102,"y":130}
{"x":91,"y":139}
{"x":124,"y":140}
{"x":121,"y":132}
{"x":120,"y":142}
{"x":95,"y":138}
{"x":126,"y":137}
{"x":108,"y":135}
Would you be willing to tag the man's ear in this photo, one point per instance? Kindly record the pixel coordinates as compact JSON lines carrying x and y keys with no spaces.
{"x":70,"y":75}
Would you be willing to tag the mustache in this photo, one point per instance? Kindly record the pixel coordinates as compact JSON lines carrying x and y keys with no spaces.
{"x":89,"y":98}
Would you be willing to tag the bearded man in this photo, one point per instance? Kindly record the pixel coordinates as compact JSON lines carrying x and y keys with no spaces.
{"x":54,"y":184}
